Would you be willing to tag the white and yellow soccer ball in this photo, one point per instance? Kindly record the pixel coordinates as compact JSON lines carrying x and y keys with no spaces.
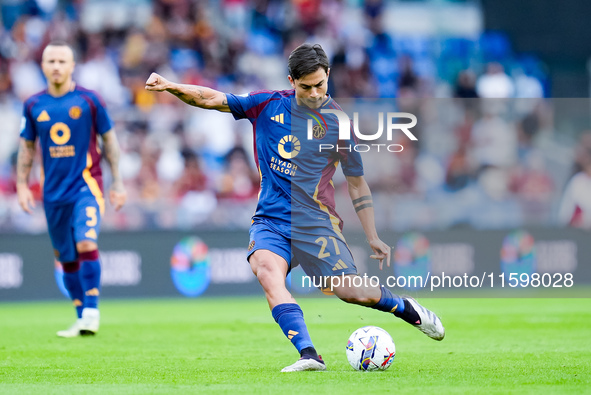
{"x":370,"y":348}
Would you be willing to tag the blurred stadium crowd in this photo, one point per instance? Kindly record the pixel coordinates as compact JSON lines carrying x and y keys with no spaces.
{"x":492,"y":165}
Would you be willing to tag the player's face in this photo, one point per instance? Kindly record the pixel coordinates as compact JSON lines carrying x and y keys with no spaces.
{"x":57,"y":64}
{"x":310,"y":90}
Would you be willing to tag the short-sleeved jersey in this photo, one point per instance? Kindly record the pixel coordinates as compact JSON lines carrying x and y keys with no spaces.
{"x":296,"y":176}
{"x":67,"y":127}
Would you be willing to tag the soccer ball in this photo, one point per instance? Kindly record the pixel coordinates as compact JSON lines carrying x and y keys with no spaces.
{"x":370,"y":348}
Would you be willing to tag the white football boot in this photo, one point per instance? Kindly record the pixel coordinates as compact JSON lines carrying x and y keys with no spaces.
{"x":429,"y":323}
{"x":72,"y":331}
{"x":89,"y":323}
{"x":307,"y":364}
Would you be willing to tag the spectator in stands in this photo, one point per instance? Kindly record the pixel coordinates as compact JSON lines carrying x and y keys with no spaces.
{"x":527,"y":86}
{"x":192,"y":178}
{"x":527,"y":130}
{"x":459,"y":172}
{"x":147,"y":179}
{"x":533,"y":186}
{"x":493,"y":138}
{"x":408,"y":79}
{"x":575,"y":208}
{"x":239,"y":181}
{"x":466,"y":85}
{"x":495,"y":83}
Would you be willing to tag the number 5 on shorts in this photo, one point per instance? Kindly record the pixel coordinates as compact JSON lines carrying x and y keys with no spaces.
{"x":92,"y":221}
{"x":91,"y":214}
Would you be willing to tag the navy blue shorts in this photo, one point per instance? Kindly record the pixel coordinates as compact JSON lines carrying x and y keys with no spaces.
{"x":71,"y":223}
{"x":319,"y":251}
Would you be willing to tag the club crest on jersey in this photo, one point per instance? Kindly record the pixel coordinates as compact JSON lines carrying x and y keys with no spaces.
{"x":75,"y":112}
{"x":318,"y":132}
{"x":289,"y":146}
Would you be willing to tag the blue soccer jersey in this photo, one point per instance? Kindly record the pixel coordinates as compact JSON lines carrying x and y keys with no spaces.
{"x":296,"y":174}
{"x":68,"y":128}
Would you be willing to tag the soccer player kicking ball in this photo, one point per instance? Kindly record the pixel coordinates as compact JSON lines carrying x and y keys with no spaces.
{"x":295,"y":221}
{"x":67,"y":120}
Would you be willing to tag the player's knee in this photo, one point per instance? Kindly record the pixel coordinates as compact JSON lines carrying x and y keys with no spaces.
{"x":86,"y":246}
{"x":262,"y":261}
{"x":266,"y":271}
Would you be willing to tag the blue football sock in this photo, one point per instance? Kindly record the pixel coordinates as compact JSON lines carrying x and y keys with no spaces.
{"x":90,"y":276}
{"x":398,"y":306}
{"x":73,"y":285}
{"x":390,"y":303}
{"x":290,"y":318}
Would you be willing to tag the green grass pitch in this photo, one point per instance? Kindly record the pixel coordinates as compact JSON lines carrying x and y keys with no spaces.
{"x":231,"y":345}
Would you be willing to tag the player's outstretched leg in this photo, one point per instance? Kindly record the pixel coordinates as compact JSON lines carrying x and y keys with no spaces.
{"x":412,"y":312}
{"x":90,"y":277}
{"x":74,"y":287}
{"x":270,"y":270}
{"x":407,"y":309}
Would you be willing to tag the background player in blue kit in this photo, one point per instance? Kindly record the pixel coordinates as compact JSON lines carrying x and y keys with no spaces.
{"x":295,"y":221}
{"x":67,"y":120}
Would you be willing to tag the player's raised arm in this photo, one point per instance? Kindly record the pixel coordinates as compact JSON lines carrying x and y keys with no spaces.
{"x":363,"y":203}
{"x":194,"y":95}
{"x":24,"y":163}
{"x":117,"y":193}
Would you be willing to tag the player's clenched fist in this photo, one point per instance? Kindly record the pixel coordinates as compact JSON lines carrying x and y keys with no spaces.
{"x":156,"y":83}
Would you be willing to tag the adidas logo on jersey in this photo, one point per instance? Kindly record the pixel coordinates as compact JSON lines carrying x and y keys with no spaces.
{"x":43,"y":117}
{"x":278,"y":118}
{"x":340,"y":265}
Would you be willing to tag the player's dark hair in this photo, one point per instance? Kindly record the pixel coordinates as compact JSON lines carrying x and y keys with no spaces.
{"x":61,"y":43}
{"x":306,"y":59}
